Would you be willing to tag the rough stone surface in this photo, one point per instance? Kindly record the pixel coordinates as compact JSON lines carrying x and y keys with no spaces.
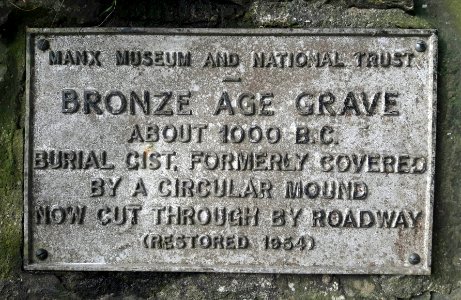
{"x":4,"y":12}
{"x":404,"y":4}
{"x":316,"y":13}
{"x":445,"y":281}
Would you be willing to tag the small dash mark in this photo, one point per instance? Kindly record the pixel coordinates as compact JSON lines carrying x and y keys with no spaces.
{"x":232,"y":79}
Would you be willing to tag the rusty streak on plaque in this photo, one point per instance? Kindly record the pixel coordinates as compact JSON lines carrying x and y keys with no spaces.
{"x":230,"y":150}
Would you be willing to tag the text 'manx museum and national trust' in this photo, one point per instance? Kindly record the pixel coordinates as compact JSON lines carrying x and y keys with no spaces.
{"x":268,"y":150}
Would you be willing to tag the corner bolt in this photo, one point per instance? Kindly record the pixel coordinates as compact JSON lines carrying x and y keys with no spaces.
{"x":420,"y":46}
{"x":41,"y":254}
{"x":414,"y":259}
{"x":43,"y":44}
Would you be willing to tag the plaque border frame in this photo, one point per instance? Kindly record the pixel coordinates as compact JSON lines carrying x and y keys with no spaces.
{"x":408,"y":269}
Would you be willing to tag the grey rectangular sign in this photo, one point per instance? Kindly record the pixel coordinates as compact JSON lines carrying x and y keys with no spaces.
{"x":230,"y":150}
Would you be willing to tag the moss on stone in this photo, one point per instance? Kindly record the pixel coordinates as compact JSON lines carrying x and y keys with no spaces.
{"x":11,"y":141}
{"x":454,"y":6}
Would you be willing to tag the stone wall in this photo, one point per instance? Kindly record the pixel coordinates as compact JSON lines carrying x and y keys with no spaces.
{"x":444,"y":15}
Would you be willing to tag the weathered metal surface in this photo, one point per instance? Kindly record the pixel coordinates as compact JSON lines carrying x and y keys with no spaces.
{"x":292,"y":151}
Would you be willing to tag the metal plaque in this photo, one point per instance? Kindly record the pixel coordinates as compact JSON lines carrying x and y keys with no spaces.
{"x":230,"y":150}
